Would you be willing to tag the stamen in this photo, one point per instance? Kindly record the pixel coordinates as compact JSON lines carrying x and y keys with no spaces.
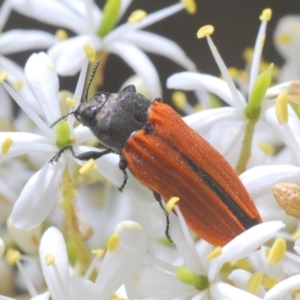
{"x":267,"y":148}
{"x":281,"y":108}
{"x":71,"y":102}
{"x":137,"y":16}
{"x":171,"y":203}
{"x":268,"y":283}
{"x":266,"y":15}
{"x":190,"y":6}
{"x":296,"y":235}
{"x":113,"y":242}
{"x":283,"y":39}
{"x":61,"y":35}
{"x":215,"y":253}
{"x":18,"y":84}
{"x":88,"y":167}
{"x":3,"y":76}
{"x":12,"y":256}
{"x":50,"y":259}
{"x":179,"y":99}
{"x":90,"y":52}
{"x":205,"y":31}
{"x":98,"y":252}
{"x":277,"y":251}
{"x":254,"y":283}
{"x":8,"y":142}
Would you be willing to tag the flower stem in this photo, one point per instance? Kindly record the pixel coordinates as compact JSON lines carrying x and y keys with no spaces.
{"x":246,"y":147}
{"x":77,"y":250}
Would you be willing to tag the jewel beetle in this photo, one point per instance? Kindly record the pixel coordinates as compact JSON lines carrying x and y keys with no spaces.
{"x":171,"y":159}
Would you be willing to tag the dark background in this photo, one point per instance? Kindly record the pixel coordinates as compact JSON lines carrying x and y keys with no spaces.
{"x":236,"y":25}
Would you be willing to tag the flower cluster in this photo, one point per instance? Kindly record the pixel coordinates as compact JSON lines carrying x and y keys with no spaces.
{"x":68,"y":233}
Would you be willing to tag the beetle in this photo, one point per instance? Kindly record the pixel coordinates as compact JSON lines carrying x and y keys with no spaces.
{"x":171,"y":159}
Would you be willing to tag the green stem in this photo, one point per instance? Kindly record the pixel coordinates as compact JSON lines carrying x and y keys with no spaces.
{"x":78,"y":253}
{"x":246,"y":147}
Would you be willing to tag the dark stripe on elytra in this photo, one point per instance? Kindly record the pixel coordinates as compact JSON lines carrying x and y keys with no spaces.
{"x":221,"y":194}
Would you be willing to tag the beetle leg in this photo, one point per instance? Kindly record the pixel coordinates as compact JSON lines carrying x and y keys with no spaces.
{"x":83,"y":156}
{"x":158,"y":198}
{"x":123,"y":167}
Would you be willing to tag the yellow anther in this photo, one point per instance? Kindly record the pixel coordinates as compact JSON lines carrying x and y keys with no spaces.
{"x":137,"y":16}
{"x":281,"y":108}
{"x":205,"y":31}
{"x":8,"y":142}
{"x":254,"y":282}
{"x":190,"y":6}
{"x":215,"y":253}
{"x":61,"y":34}
{"x":198,"y":107}
{"x":18,"y":84}
{"x":113,"y":242}
{"x":248,"y":54}
{"x":50,"y":67}
{"x":12,"y":256}
{"x":283,"y":39}
{"x":3,"y":76}
{"x":88,"y":167}
{"x":179,"y":99}
{"x":296,"y":235}
{"x":98,"y":252}
{"x":266,"y":15}
{"x":90,"y":52}
{"x":268,"y":283}
{"x":277,"y":251}
{"x":233,"y":72}
{"x":171,"y":203}
{"x":267,"y":148}
{"x":71,"y":102}
{"x":50,"y":259}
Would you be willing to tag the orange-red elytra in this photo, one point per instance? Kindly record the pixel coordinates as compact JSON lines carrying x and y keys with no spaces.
{"x":171,"y":159}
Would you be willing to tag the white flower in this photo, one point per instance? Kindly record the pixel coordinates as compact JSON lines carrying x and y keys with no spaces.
{"x":127,"y":41}
{"x":287,"y":42}
{"x":118,"y":265}
{"x":159,"y":279}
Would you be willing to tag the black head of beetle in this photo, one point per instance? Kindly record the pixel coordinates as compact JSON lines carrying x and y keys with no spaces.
{"x":114,"y":117}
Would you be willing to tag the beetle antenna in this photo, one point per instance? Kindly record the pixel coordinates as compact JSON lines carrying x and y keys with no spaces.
{"x":91,"y":79}
{"x":70,"y":113}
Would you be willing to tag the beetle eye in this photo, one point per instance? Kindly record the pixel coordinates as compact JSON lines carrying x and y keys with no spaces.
{"x":89,"y":113}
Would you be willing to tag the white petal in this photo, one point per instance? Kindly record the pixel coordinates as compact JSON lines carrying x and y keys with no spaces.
{"x":160,"y":45}
{"x":82,"y":134}
{"x":125,"y":261}
{"x":53,"y":243}
{"x":244,"y":244}
{"x":189,"y":81}
{"x":259,"y":180}
{"x":283,"y":288}
{"x":225,"y":291}
{"x":26,"y":240}
{"x":5,"y":11}
{"x":205,"y":119}
{"x":44,"y":296}
{"x":81,"y":288}
{"x":43,"y":82}
{"x":156,"y":284}
{"x":38,"y":196}
{"x":24,"y":143}
{"x":68,"y":56}
{"x":140,"y":64}
{"x":54,"y":12}
{"x":22,"y":40}
{"x":16,"y":73}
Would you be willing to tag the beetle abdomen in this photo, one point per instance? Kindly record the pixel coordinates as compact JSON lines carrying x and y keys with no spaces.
{"x":173,"y":160}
